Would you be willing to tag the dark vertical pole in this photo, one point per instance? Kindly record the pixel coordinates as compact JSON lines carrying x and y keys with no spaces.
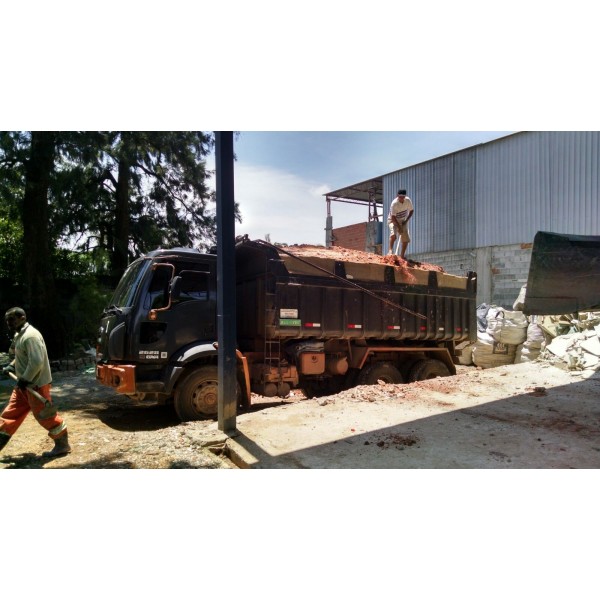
{"x":226,"y":322}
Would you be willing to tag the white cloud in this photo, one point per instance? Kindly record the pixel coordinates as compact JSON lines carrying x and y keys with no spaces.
{"x":290,"y":209}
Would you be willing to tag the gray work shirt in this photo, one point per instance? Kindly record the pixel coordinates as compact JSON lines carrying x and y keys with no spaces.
{"x":31,"y":357}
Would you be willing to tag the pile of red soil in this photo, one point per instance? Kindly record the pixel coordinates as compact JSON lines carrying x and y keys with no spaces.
{"x":356,"y":256}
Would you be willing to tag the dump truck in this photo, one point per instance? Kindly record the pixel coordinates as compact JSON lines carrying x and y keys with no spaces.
{"x":320,"y":324}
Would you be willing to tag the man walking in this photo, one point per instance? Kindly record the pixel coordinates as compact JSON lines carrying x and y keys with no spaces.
{"x":32,"y":369}
{"x":401,"y":211}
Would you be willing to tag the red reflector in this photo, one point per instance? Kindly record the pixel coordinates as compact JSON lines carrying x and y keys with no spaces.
{"x":393,"y":326}
{"x":458,"y":329}
{"x":423,"y":328}
{"x":354,"y":326}
{"x":312,"y":324}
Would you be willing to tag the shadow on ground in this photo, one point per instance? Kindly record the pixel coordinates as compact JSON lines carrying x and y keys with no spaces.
{"x":558,"y":428}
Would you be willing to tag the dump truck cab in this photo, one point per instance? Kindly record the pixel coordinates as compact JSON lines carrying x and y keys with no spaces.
{"x":161,"y":318}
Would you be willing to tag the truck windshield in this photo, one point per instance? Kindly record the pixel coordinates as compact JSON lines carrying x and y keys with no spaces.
{"x":125,"y":292}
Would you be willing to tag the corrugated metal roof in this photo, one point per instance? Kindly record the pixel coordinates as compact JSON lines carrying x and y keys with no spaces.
{"x":500,"y":192}
{"x":365,"y":191}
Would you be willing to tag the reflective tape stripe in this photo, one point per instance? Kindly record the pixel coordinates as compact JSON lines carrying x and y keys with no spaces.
{"x":58,"y":429}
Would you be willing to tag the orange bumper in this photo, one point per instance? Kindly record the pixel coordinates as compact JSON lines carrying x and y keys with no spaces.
{"x":119,"y":377}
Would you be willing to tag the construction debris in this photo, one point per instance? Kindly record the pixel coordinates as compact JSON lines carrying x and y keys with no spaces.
{"x":505,"y":337}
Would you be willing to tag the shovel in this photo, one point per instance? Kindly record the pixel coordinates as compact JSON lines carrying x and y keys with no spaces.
{"x":48,"y":410}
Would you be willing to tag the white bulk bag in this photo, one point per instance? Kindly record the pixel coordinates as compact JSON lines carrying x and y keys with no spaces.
{"x":488,"y":353}
{"x":507,"y":326}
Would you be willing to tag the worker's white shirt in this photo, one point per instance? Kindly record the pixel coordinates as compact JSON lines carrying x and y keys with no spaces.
{"x":400,"y":210}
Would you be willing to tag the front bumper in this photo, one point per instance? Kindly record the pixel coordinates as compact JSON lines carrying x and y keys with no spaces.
{"x":119,"y":377}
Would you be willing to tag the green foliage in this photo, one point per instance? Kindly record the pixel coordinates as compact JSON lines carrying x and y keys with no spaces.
{"x":150,"y":189}
{"x":11,"y":197}
{"x":11,"y":238}
{"x":84,"y":306}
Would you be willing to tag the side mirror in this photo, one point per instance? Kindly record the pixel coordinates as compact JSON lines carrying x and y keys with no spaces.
{"x":153,"y":313}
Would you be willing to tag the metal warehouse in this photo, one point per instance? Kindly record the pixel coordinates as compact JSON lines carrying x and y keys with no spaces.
{"x":478,"y":209}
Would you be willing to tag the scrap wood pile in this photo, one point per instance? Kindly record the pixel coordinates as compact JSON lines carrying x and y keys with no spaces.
{"x":505,"y":337}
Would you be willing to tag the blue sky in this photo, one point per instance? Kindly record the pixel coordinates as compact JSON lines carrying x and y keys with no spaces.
{"x":280,"y":177}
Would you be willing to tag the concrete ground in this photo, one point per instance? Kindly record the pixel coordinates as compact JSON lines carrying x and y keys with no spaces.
{"x":525,"y":416}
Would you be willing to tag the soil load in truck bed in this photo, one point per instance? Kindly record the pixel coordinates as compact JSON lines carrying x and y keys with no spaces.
{"x":314,"y":292}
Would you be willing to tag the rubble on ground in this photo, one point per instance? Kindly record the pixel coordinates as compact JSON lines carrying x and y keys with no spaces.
{"x":570,"y":342}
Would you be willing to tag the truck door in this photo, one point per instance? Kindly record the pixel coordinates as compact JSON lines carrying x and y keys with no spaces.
{"x":170,"y":324}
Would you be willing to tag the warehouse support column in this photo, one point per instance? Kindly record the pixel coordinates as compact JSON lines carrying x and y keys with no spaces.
{"x":226,"y":318}
{"x":329,"y":226}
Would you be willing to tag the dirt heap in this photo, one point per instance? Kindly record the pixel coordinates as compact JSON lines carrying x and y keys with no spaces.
{"x":356,"y":256}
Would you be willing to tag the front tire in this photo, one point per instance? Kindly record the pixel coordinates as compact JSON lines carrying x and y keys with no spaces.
{"x":197,"y":397}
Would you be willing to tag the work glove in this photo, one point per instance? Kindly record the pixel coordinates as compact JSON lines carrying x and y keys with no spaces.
{"x":8,"y":369}
{"x":23,"y":383}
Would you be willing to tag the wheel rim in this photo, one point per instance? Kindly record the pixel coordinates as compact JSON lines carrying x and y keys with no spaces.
{"x":205,"y":398}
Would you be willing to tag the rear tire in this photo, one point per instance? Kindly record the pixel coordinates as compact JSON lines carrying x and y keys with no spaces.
{"x":381,"y":371}
{"x":350,"y":378}
{"x":429,"y":368}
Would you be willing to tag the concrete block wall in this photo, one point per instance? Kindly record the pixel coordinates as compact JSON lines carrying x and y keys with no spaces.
{"x":509,"y":271}
{"x":501,"y":270}
{"x":457,"y":262}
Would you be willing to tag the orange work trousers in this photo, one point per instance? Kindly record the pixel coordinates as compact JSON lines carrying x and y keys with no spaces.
{"x":19,"y":405}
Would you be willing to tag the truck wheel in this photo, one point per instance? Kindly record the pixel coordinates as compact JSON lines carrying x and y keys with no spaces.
{"x":381,"y":371}
{"x":350,"y":378}
{"x":313,"y":389}
{"x":429,"y":368}
{"x":197,"y":396}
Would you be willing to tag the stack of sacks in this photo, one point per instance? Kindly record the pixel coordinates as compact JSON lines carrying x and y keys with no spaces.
{"x":497,"y":345}
{"x":530,"y":349}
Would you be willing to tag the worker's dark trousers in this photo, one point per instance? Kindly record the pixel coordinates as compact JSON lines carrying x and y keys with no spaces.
{"x":19,"y":405}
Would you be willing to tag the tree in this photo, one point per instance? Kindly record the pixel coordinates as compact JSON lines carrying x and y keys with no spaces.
{"x":39,"y":281}
{"x":161,"y":198}
{"x":29,"y":163}
{"x":125,"y":193}
{"x":109,"y":195}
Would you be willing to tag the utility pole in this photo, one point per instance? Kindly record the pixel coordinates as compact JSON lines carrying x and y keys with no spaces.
{"x":226,"y":304}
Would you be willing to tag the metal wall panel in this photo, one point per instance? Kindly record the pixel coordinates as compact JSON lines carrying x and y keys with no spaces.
{"x":443,"y":192}
{"x":503,"y":192}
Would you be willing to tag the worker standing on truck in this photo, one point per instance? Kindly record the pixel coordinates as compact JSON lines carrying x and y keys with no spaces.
{"x":31,"y":368}
{"x":401,"y":211}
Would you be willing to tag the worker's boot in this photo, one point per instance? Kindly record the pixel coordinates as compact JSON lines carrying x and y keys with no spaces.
{"x":4,"y":437}
{"x":61,"y":447}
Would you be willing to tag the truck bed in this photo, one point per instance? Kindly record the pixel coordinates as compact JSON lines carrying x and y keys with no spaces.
{"x":284,"y":297}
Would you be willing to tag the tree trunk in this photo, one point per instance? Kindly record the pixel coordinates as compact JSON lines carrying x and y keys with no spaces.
{"x":41,"y":299}
{"x":120,"y":256}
